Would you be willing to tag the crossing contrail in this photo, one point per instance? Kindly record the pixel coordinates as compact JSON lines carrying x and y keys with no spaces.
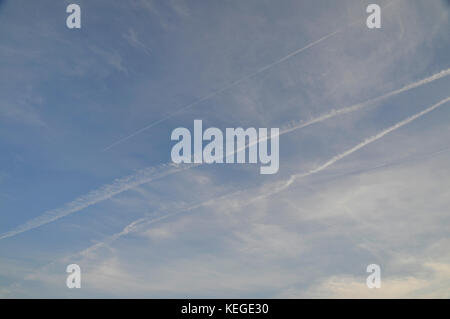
{"x":152,"y":173}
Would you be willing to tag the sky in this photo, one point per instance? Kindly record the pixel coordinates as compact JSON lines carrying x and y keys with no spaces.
{"x":86,"y":177}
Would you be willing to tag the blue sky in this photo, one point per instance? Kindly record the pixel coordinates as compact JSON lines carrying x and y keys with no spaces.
{"x":140,"y":228}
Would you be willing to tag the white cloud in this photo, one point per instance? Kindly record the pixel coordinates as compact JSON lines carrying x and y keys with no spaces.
{"x":434,"y":285}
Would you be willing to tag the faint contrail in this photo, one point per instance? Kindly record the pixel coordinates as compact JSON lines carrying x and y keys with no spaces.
{"x":225,"y":88}
{"x":273,"y":188}
{"x":149,"y":174}
{"x":235,"y":83}
{"x":146,"y":221}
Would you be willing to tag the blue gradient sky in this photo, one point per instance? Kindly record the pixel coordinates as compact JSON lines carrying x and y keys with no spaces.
{"x":65,"y":95}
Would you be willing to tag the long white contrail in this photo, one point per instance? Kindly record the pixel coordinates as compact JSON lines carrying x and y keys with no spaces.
{"x":271,"y":189}
{"x":283,"y":185}
{"x":149,"y":174}
{"x":370,"y":140}
{"x":298,"y":125}
{"x":105,"y":192}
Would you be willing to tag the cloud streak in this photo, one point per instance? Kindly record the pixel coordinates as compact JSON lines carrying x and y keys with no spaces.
{"x":152,"y":173}
{"x":273,"y":188}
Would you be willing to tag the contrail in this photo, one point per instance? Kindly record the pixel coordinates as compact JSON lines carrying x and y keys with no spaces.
{"x":106,"y":192}
{"x":355,"y":107}
{"x":237,"y":82}
{"x":225,"y":88}
{"x":136,"y":225}
{"x":298,"y":125}
{"x":146,"y":221}
{"x":149,"y":174}
{"x":373,"y":139}
{"x":273,"y":188}
{"x":283,"y":185}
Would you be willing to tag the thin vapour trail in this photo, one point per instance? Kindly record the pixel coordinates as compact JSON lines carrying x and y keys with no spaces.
{"x":152,"y":173}
{"x":147,"y":221}
{"x":273,"y":188}
{"x":237,"y":82}
{"x":223,"y":89}
{"x":130,"y":228}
